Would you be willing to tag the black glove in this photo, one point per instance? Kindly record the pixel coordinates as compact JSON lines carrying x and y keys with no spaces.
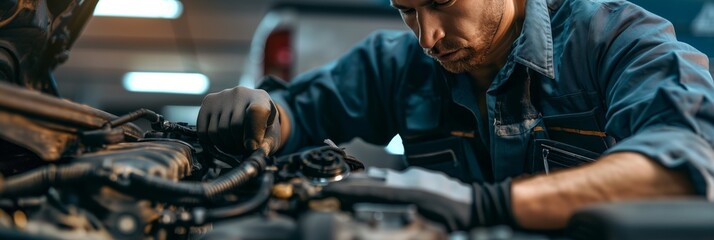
{"x":239,"y":120}
{"x":457,"y":205}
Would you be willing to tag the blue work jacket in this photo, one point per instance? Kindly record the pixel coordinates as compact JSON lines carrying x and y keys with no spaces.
{"x":584,"y":78}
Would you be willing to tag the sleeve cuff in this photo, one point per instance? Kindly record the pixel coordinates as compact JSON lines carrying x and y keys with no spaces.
{"x":292,"y":144}
{"x":676,"y":149}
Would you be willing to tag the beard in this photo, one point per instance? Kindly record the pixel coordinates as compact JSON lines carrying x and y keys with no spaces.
{"x":475,"y":54}
{"x":471,"y":60}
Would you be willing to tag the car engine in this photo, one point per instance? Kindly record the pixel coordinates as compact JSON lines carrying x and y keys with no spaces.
{"x":74,"y":172}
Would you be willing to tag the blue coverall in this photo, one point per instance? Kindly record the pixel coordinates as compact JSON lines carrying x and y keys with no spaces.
{"x":598,"y":76}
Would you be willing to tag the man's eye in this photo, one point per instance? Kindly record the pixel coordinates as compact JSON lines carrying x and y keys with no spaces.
{"x":441,"y":3}
{"x":406,"y":11}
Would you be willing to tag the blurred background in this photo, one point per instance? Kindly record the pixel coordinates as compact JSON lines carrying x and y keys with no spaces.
{"x":120,"y":62}
{"x":209,"y":37}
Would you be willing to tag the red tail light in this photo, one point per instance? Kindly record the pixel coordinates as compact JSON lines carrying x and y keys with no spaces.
{"x":278,"y":55}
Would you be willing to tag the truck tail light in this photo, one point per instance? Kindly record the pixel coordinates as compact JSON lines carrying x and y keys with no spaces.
{"x":278,"y":55}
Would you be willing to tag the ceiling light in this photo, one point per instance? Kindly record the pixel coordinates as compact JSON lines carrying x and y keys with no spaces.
{"x":166,"y":82}
{"x":170,"y":9}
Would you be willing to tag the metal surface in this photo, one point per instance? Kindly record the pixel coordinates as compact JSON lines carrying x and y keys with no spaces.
{"x":37,"y":36}
{"x":46,"y":125}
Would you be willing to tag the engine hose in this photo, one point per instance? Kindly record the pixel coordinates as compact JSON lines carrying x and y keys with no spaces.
{"x":133,"y":116}
{"x":216,"y":214}
{"x":157,"y":122}
{"x":190,"y":193}
{"x":38,"y":181}
{"x":167,"y":126}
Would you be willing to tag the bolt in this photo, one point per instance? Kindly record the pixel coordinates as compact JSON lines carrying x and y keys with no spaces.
{"x":282,"y":191}
{"x":185,"y":216}
{"x":165,"y":219}
{"x":126,"y":224}
{"x":20,"y":219}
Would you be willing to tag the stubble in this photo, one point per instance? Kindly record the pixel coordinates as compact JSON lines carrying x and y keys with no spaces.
{"x":475,"y":54}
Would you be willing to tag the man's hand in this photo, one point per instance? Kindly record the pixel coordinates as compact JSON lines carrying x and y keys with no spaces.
{"x":239,"y":119}
{"x":458,"y":205}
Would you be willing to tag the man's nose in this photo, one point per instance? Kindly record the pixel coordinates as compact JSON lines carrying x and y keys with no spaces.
{"x":430,"y":30}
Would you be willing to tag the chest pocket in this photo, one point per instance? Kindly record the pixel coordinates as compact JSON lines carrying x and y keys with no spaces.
{"x":549,"y":156}
{"x":570,"y":140}
{"x":584,"y":130}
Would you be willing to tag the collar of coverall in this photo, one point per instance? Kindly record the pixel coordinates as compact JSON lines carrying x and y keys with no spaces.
{"x":534,"y":48}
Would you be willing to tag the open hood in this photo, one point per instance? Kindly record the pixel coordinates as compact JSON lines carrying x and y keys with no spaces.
{"x":35,"y":37}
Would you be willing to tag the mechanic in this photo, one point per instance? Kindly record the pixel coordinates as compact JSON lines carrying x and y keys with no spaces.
{"x":482,"y":83}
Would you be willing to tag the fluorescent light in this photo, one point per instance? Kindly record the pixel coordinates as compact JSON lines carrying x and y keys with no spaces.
{"x":139,"y":8}
{"x":165,"y":82}
{"x":187,"y":114}
{"x":395,"y":146}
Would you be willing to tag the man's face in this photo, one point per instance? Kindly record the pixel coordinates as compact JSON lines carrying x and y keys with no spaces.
{"x":457,"y":33}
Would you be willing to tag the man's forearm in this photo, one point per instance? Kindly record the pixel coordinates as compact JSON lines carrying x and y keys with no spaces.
{"x":548,"y":201}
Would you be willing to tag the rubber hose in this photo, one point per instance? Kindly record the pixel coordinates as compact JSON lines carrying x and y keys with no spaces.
{"x":260,"y":197}
{"x":38,"y":181}
{"x":189,"y":193}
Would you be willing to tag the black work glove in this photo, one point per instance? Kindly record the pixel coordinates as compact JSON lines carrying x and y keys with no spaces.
{"x":239,"y":120}
{"x":457,"y":205}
